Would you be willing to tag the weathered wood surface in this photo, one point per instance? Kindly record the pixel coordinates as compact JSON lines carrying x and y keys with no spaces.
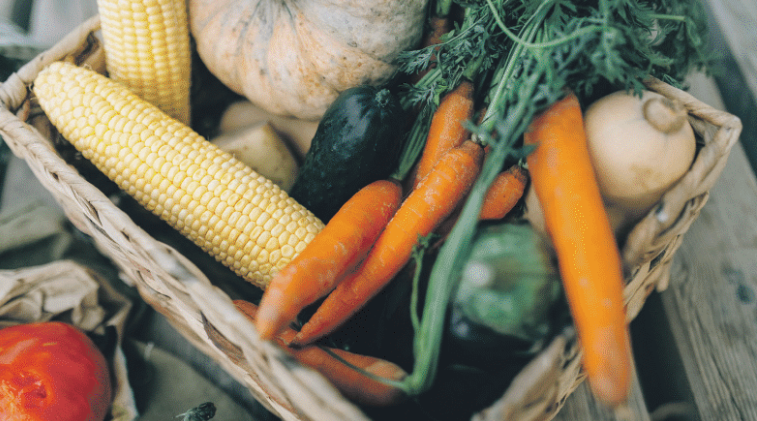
{"x":582,"y":406}
{"x":711,"y":303}
{"x":737,"y":20}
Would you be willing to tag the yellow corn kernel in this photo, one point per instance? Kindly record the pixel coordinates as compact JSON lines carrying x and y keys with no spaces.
{"x":243,"y":219}
{"x":147,"y":49}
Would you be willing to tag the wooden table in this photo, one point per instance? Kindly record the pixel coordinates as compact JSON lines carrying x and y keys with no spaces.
{"x":696,"y":343}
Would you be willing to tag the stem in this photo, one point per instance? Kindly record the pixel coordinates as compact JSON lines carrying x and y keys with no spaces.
{"x":471,"y":70}
{"x":413,"y":147}
{"x":443,"y":7}
{"x":505,"y":75}
{"x":431,"y":77}
{"x":553,"y":43}
{"x":415,"y":291}
{"x":660,"y":16}
{"x":665,"y":115}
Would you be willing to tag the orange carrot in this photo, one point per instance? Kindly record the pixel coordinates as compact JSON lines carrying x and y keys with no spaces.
{"x":342,"y":243}
{"x":446,"y":226}
{"x":353,"y":384}
{"x":587,"y":253}
{"x":447,"y":128}
{"x":420,"y":213}
{"x":504,"y":193}
{"x":439,"y":25}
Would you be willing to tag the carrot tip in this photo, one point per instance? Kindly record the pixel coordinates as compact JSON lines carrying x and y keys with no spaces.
{"x":268,"y":322}
{"x":609,"y":391}
{"x":298,"y":342}
{"x":305,"y":336}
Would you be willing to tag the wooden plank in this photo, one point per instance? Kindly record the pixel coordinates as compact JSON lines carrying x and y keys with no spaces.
{"x":711,"y":303}
{"x":581,"y":405}
{"x":737,"y":20}
{"x":733,"y":49}
{"x":666,"y":388}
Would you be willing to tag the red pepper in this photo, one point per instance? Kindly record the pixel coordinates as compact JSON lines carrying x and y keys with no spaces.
{"x":51,"y":371}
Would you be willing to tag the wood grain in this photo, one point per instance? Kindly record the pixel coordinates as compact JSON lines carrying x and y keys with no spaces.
{"x":582,"y":405}
{"x":710,"y":304}
{"x":737,"y":20}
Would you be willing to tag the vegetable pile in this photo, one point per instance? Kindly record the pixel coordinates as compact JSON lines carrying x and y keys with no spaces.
{"x":523,"y":126}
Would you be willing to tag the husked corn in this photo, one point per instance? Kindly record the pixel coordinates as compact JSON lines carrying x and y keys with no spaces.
{"x":243,"y":219}
{"x":147,"y":49}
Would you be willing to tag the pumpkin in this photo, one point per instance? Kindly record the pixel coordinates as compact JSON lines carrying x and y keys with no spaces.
{"x":294,"y":57}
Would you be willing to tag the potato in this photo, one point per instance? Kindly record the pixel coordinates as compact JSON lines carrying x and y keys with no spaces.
{"x":295,"y":132}
{"x":263,"y":150}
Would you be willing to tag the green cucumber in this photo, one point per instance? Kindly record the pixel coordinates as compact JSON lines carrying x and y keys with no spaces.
{"x":358,"y":141}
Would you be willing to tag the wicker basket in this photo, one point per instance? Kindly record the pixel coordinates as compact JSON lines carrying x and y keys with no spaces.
{"x":175,"y":287}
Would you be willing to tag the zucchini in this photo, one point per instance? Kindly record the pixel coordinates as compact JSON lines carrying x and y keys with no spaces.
{"x":357,"y":142}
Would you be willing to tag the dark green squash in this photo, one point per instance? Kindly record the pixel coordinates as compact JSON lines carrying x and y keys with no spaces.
{"x":358,"y":141}
{"x":506,"y":298}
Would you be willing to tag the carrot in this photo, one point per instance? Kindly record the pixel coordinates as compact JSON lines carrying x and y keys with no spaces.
{"x":501,"y":197}
{"x":504,"y":193}
{"x":439,"y":25}
{"x":342,"y":243}
{"x":446,"y":226}
{"x":587,"y":253}
{"x":352,"y":383}
{"x":420,"y":213}
{"x":447,"y":128}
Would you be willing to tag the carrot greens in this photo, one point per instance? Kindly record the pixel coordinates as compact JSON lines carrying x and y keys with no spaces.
{"x":523,"y":56}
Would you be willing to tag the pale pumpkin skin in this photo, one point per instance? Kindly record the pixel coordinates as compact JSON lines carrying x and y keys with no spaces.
{"x":293,"y":57}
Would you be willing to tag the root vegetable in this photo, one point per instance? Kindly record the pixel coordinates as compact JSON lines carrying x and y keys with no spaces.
{"x":587,"y":254}
{"x":358,"y":386}
{"x":337,"y":249}
{"x":419,"y":214}
{"x":261,"y":149}
{"x":447,"y":129}
{"x":504,"y":193}
{"x":296,"y":132}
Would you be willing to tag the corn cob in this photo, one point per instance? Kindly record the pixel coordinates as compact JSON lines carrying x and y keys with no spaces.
{"x":243,"y":219}
{"x":147,"y":49}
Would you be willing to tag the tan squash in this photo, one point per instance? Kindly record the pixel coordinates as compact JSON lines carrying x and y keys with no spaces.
{"x":640,"y":147}
{"x":293,"y":57}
